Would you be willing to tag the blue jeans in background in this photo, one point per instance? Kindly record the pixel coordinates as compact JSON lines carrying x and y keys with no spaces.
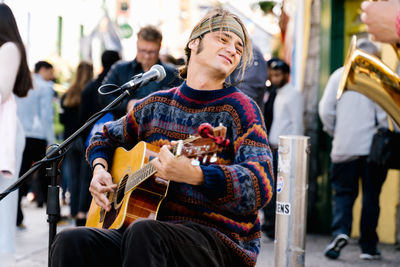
{"x":345,"y":182}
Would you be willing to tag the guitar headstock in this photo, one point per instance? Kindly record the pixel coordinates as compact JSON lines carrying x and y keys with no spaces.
{"x":204,"y":146}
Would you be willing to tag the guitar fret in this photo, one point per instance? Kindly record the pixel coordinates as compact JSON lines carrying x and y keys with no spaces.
{"x":139,"y":176}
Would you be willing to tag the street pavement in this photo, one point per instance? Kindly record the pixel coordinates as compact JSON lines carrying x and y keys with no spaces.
{"x":32,"y":246}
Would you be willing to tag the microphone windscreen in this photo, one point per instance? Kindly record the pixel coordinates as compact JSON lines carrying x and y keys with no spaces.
{"x":160,"y":69}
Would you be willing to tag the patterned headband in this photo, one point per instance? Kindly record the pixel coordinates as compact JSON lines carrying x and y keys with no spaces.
{"x":226,"y":23}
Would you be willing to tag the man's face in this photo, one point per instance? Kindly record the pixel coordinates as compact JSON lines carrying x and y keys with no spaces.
{"x":278,"y":78}
{"x":147,"y":53}
{"x":219,"y":51}
{"x":47,"y":74}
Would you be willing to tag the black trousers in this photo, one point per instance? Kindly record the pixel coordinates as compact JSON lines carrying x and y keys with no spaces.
{"x":78,"y":174}
{"x":35,"y":150}
{"x":268,"y":226}
{"x":345,"y":181}
{"x":144,"y":243}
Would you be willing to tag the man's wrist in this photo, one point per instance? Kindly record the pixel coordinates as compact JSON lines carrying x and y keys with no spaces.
{"x":99,"y":164}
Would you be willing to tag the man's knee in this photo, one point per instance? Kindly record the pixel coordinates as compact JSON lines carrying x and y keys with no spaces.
{"x":68,"y":238}
{"x":64,"y":246}
{"x":142,"y":227}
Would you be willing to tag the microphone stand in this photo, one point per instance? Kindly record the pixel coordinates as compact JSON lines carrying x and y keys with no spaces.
{"x":54,"y":154}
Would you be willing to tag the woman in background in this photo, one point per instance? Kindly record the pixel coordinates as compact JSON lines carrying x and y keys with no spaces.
{"x":70,"y":103}
{"x":15,"y":79}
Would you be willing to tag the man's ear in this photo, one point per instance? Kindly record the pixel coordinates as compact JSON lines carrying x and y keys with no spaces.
{"x":194,"y":43}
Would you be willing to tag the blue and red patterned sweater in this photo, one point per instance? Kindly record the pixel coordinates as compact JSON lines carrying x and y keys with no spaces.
{"x":236,"y":186}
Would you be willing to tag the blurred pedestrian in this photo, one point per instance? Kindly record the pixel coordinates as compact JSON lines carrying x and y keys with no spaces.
{"x":90,"y":99}
{"x":70,"y":103}
{"x":167,"y":58}
{"x":352,"y":121}
{"x":269,"y":97}
{"x":287,"y":119}
{"x":35,"y":111}
{"x":253,"y":81}
{"x":15,"y":80}
{"x":148,"y":46}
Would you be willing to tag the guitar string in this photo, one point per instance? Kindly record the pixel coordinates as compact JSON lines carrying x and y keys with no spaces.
{"x":137,"y":173}
{"x":137,"y":176}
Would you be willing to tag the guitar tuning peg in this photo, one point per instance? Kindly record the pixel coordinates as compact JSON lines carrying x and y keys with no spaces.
{"x":195,"y":162}
{"x":205,"y":159}
{"x":179,"y":148}
{"x":213,"y":158}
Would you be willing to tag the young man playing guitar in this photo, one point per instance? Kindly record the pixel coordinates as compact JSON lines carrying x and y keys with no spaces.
{"x":209,"y":216}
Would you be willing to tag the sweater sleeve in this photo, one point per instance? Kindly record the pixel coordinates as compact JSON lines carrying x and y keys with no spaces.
{"x":9,"y":60}
{"x":47,"y":113}
{"x":327,"y":105}
{"x":122,"y":132}
{"x":246,"y":185}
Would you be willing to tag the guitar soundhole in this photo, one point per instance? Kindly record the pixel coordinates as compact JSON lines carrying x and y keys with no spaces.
{"x":121,"y":189}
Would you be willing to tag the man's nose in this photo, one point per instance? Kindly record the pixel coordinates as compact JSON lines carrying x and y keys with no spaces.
{"x":230,"y":47}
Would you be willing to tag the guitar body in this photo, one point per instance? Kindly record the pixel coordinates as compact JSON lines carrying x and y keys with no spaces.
{"x":142,"y":201}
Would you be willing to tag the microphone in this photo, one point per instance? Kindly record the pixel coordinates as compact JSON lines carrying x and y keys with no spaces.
{"x":156,"y":73}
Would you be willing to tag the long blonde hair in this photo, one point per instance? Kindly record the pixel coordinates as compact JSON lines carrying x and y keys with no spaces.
{"x":84,"y":74}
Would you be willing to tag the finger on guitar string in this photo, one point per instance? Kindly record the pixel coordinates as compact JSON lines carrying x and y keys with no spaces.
{"x":158,"y":166}
{"x":102,"y":183}
{"x":165,"y":156}
{"x":100,"y":199}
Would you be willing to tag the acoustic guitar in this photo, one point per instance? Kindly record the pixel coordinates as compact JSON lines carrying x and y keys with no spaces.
{"x":140,"y":192}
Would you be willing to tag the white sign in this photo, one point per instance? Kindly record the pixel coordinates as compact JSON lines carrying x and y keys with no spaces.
{"x":283,"y":208}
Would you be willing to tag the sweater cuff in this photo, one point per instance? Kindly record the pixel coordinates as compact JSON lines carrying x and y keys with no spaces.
{"x":95,"y":153}
{"x":214,"y":186}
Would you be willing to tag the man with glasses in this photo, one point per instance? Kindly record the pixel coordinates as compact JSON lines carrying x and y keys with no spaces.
{"x":148,"y":44}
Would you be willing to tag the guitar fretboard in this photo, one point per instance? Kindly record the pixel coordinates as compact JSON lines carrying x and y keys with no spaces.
{"x":139,"y":176}
{"x":148,"y":169}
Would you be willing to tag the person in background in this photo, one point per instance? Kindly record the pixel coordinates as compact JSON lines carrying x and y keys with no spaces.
{"x":210,"y":214}
{"x":287,"y":119}
{"x":269,"y":97}
{"x":167,"y":58}
{"x":15,"y":80}
{"x":35,"y":111}
{"x":148,"y":46}
{"x":382,"y":19}
{"x":352,"y":121}
{"x":90,"y":104}
{"x":91,"y":99}
{"x":70,"y":103}
{"x":253,"y":81}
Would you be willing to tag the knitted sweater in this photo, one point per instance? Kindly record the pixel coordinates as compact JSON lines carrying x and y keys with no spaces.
{"x":235,"y":187}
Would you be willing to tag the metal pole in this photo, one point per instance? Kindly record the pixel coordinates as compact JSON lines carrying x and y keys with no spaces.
{"x":291,"y":201}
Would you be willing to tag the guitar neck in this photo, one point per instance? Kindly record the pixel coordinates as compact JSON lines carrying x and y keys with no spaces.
{"x":139,"y":176}
{"x":148,"y":169}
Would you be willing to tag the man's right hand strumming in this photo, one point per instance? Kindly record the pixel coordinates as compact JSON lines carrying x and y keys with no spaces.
{"x":101,"y":184}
